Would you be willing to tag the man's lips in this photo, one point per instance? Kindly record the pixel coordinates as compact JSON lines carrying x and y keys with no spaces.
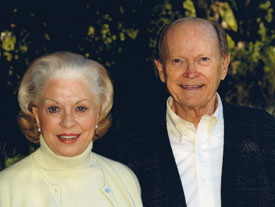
{"x":68,"y":138}
{"x":192,"y":87}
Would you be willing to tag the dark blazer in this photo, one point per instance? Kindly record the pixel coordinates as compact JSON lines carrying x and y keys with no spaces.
{"x":248,"y":172}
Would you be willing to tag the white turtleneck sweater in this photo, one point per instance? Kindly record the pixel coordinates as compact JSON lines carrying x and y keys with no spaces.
{"x":44,"y":179}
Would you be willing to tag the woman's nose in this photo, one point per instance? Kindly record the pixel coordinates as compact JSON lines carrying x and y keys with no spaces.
{"x":68,"y":120}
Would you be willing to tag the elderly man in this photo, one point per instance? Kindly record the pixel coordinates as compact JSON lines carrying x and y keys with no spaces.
{"x":200,"y":151}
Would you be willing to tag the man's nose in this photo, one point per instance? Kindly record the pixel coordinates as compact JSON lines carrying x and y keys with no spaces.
{"x":191,"y":70}
{"x":68,"y":120}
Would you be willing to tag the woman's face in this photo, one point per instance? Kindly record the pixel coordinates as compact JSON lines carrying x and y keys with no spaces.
{"x":67,"y":115}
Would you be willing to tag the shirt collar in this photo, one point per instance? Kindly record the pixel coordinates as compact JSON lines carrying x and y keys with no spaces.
{"x":173,"y":120}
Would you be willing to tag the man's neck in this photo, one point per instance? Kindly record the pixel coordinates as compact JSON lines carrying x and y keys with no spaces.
{"x":195,"y":113}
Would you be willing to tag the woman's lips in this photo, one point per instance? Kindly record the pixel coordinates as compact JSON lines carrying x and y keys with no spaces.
{"x":68,"y":138}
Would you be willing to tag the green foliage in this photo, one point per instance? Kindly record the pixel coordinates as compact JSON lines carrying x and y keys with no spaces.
{"x":188,"y":5}
{"x":11,"y":160}
{"x":8,"y":159}
{"x":252,"y":66}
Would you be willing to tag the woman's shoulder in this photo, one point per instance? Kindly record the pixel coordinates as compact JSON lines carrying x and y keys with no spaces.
{"x":117,"y":169}
{"x":16,"y":170}
{"x":115,"y":165}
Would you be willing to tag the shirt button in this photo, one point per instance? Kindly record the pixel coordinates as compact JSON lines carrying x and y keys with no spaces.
{"x":107,"y":190}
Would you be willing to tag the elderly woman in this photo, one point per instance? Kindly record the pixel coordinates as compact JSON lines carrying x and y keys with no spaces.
{"x":65,"y":101}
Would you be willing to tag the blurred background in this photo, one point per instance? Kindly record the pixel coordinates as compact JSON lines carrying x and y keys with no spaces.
{"x":122,"y":35}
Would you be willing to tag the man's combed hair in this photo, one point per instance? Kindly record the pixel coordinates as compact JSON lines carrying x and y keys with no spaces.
{"x":65,"y":65}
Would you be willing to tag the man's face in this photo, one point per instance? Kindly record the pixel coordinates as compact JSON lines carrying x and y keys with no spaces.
{"x":193,"y":65}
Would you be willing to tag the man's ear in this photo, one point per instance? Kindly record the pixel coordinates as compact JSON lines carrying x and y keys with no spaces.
{"x":161,"y":71}
{"x":225,"y":66}
{"x":35,"y":113}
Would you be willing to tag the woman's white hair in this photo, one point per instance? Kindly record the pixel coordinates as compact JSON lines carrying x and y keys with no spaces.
{"x":65,"y":65}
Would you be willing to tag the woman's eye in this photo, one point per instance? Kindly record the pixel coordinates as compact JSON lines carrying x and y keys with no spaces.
{"x":81,"y":108}
{"x":53,"y":109}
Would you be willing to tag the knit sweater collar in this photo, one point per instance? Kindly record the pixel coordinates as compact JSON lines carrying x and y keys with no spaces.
{"x":44,"y":157}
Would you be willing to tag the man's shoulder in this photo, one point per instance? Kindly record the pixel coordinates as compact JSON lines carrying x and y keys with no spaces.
{"x":244,"y":113}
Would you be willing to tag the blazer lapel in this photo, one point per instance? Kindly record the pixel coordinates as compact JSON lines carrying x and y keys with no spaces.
{"x":228,"y":184}
{"x":173,"y":190}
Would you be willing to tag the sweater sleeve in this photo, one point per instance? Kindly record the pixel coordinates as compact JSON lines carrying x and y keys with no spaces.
{"x":5,"y":189}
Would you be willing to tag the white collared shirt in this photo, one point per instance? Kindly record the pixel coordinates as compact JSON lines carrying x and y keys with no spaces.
{"x":198,"y":154}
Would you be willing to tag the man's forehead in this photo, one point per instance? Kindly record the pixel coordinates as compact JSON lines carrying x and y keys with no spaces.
{"x":192,"y":35}
{"x":190,"y":27}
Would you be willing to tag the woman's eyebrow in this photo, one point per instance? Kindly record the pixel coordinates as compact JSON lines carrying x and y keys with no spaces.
{"x":50,"y":99}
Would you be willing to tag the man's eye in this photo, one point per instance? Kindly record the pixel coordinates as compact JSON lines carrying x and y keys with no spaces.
{"x":53,"y":109}
{"x":204,"y":59}
{"x":176,"y":61}
{"x":81,"y":108}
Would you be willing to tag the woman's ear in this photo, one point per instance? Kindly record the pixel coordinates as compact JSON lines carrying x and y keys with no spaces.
{"x":35,"y":113}
{"x":98,"y":114}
